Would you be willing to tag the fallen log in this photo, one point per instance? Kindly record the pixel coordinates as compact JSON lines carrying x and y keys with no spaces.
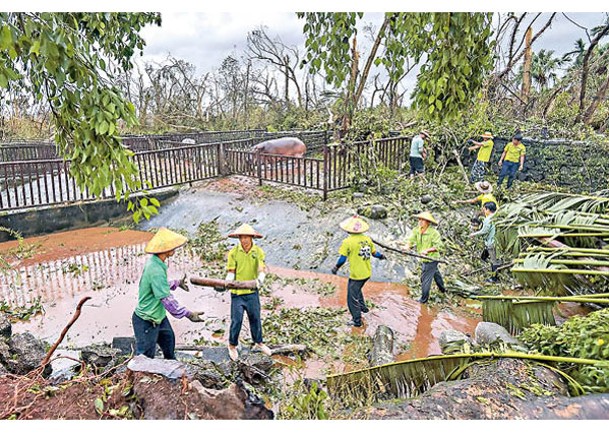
{"x":412,"y":254}
{"x":382,"y":346}
{"x":223,"y":284}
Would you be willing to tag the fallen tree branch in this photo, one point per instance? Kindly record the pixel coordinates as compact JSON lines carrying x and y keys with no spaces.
{"x":223,"y":284}
{"x":47,"y":358}
{"x":399,"y":251}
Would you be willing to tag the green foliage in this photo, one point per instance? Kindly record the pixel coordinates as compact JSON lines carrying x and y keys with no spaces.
{"x":69,"y":61}
{"x":22,"y":312}
{"x":208,"y":243}
{"x":455,"y":50}
{"x":305,"y":403}
{"x":580,"y":337}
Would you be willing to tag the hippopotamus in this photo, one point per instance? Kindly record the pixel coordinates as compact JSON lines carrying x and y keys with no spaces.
{"x":285,"y":146}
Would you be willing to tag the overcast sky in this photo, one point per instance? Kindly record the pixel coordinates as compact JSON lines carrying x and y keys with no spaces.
{"x":206,"y":38}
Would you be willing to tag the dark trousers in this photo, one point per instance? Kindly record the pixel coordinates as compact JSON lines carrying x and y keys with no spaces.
{"x":355,"y":299}
{"x":148,"y":335}
{"x":508,"y":169}
{"x":489,"y":253}
{"x":251,"y":305}
{"x":416,"y":165}
{"x":430,"y":272}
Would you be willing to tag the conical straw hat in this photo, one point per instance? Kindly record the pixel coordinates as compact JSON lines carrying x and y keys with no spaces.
{"x":354,"y":225}
{"x":245,"y":230}
{"x":483,"y":187}
{"x":164,"y":241}
{"x":488,"y":134}
{"x":427,"y":216}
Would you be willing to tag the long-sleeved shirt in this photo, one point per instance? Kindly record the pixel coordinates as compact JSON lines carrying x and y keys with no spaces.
{"x":429,"y":239}
{"x":488,"y":230}
{"x":154,"y":297}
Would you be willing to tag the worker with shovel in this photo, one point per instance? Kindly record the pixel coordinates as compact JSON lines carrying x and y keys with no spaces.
{"x":428,"y":243}
{"x":357,"y":248}
{"x":246,"y":262}
{"x":150,"y":323}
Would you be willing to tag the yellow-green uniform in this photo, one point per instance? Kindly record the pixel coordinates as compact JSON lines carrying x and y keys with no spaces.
{"x":487,"y":197}
{"x":430,"y":239}
{"x":245,"y":264}
{"x":429,"y":269}
{"x":485,"y":151}
{"x":358,"y":248}
{"x":513,"y":152}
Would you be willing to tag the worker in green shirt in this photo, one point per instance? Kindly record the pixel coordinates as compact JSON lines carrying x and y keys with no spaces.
{"x":150,"y":323}
{"x":428,"y":243}
{"x":512,"y":160}
{"x":357,"y":249}
{"x":245,"y":263}
{"x":485,"y":149}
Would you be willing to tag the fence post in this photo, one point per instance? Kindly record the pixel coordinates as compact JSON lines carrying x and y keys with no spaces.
{"x":259,"y":167}
{"x":326,"y":170}
{"x":221,"y":162}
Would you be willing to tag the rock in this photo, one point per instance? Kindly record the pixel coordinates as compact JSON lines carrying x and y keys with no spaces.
{"x":357,"y":195}
{"x":506,"y":389}
{"x":26,"y":353}
{"x":5,"y":326}
{"x":171,"y":369}
{"x":452,"y":341}
{"x":125,"y":345}
{"x":255,"y":367}
{"x":98,"y":355}
{"x":382,"y":346}
{"x":373,"y":212}
{"x":162,"y":399}
{"x":5,"y":352}
{"x":491,"y":333}
{"x":426,"y":199}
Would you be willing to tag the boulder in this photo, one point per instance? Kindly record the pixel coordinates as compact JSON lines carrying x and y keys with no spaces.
{"x":373,"y":212}
{"x":98,"y":355}
{"x":488,"y":333}
{"x":5,"y":326}
{"x":26,"y":353}
{"x":125,"y":345}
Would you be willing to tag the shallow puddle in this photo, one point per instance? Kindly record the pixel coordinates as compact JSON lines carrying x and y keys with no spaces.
{"x":110,"y":277}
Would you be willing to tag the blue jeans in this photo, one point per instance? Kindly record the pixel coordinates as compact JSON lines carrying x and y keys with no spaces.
{"x":148,"y":334}
{"x":508,"y":169}
{"x":251,"y":305}
{"x":355,"y":299}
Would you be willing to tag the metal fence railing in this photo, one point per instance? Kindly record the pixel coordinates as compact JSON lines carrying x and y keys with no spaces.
{"x":45,"y":182}
{"x":39,"y":182}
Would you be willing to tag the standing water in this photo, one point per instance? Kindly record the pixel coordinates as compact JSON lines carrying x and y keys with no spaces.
{"x":106,"y":264}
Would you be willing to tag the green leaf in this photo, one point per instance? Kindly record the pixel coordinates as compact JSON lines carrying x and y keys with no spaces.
{"x":99,"y":406}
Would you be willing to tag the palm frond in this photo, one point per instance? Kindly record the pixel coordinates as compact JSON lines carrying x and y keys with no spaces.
{"x":407,"y":379}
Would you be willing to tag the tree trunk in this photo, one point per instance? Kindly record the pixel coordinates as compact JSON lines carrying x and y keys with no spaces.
{"x":585,"y":69}
{"x":526,"y":75}
{"x":598,"y":98}
{"x":382,"y":346}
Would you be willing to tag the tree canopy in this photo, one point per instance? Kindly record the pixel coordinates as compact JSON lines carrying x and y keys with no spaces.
{"x":70,"y":60}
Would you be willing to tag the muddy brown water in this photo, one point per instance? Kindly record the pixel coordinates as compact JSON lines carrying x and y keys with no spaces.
{"x":106,"y":264}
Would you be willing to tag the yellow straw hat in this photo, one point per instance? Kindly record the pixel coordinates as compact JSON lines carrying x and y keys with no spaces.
{"x":164,"y":241}
{"x":354,"y":225}
{"x":245,"y":230}
{"x":488,"y":135}
{"x":427,"y":216}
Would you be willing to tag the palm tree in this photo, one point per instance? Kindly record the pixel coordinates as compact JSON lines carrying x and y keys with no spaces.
{"x":544,"y":68}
